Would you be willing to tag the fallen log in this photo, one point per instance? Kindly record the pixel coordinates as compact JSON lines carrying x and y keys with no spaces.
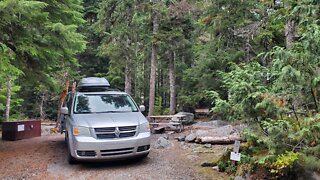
{"x":219,"y":140}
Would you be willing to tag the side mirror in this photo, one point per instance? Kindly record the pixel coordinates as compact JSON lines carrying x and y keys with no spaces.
{"x":64,"y":110}
{"x":142,"y":108}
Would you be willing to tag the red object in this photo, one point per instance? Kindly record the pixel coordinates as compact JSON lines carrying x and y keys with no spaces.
{"x":17,"y":130}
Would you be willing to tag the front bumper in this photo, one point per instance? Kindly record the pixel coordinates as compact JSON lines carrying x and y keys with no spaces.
{"x":89,"y":148}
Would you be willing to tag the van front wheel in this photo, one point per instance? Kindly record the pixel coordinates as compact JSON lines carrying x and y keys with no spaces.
{"x":71,"y":159}
{"x":142,"y":157}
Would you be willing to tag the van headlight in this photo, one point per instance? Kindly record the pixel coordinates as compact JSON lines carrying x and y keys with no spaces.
{"x":81,"y":131}
{"x":145,"y":127}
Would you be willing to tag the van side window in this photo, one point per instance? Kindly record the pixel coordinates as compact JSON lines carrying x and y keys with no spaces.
{"x":69,"y":101}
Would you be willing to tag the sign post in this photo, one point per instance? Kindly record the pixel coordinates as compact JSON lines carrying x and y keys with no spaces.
{"x":235,"y":155}
{"x":236,"y":146}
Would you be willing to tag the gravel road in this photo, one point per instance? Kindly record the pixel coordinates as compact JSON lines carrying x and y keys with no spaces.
{"x":45,"y":158}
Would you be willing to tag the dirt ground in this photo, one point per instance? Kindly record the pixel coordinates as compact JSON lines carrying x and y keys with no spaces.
{"x":45,"y":158}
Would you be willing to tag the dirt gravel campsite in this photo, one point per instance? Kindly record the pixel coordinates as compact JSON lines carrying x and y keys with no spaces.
{"x":45,"y":157}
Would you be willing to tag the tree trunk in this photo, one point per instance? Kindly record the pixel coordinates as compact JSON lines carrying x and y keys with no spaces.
{"x":128,"y":70}
{"x":290,"y":32}
{"x":295,"y":113}
{"x":62,"y":97}
{"x":7,"y":115}
{"x":128,"y":76}
{"x":146,"y":73}
{"x":136,"y":76}
{"x":314,"y":99}
{"x":152,"y":88}
{"x":172,"y":81}
{"x":153,"y":62}
{"x":42,"y":114}
{"x":247,"y":49}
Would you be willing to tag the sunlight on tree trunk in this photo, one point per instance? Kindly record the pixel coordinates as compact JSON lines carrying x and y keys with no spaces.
{"x":155,"y":21}
{"x":290,"y":32}
{"x":128,"y":76}
{"x":8,"y":99}
{"x":172,"y":80}
{"x":41,"y":111}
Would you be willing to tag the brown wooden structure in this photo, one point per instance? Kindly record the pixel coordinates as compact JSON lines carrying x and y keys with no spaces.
{"x":21,"y":130}
{"x":167,"y":120}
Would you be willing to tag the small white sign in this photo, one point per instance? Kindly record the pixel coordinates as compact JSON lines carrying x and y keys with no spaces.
{"x":235,"y":156}
{"x":21,"y":127}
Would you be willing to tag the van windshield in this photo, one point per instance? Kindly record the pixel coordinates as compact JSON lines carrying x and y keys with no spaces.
{"x":104,"y":103}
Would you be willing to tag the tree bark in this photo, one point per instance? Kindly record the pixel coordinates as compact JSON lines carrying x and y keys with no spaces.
{"x":172,"y":81}
{"x":128,"y":76}
{"x":295,"y":113}
{"x":146,"y":78}
{"x":153,"y":69}
{"x":314,"y":99}
{"x":247,"y":49}
{"x":128,"y":70}
{"x":62,"y":97}
{"x":290,"y":32}
{"x":42,"y":114}
{"x":7,"y":115}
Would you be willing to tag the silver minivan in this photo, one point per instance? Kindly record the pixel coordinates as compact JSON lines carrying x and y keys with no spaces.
{"x":103,"y":124}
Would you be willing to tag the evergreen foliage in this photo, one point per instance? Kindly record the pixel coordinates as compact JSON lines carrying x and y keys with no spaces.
{"x":257,"y":62}
{"x":38,"y":39}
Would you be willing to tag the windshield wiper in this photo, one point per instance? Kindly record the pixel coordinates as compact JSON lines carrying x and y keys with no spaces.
{"x":113,"y":112}
{"x":83,"y":112}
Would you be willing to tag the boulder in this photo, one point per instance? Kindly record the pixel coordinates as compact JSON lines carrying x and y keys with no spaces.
{"x":215,"y":132}
{"x":162,"y":142}
{"x":210,"y":124}
{"x":191,"y":137}
{"x":187,"y":120}
{"x":216,"y":168}
{"x":181,"y":138}
{"x":239,"y":178}
{"x":207,"y":146}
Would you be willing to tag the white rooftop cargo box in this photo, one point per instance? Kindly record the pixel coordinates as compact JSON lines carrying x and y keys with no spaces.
{"x":93,"y":84}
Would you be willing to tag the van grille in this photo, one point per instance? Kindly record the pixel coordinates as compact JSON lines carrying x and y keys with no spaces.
{"x":112,"y":152}
{"x":115,"y":132}
{"x":108,"y":129}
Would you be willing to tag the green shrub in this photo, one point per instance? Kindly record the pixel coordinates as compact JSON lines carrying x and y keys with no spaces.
{"x":284,"y":163}
{"x":227,"y":167}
